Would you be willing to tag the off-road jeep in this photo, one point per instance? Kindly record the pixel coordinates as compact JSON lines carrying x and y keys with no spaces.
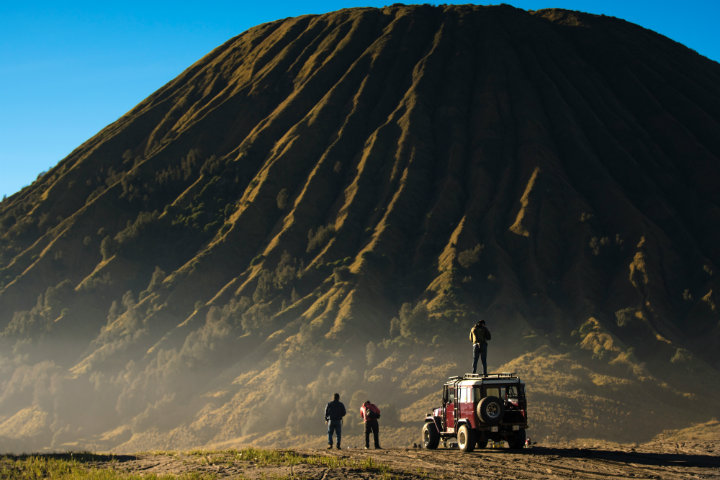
{"x":477,"y":408}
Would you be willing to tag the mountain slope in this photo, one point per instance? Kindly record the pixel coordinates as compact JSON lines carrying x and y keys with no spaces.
{"x":326,"y":203}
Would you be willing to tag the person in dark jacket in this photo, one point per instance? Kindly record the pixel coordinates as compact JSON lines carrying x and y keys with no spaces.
{"x":370,"y":413}
{"x":479,"y":336}
{"x":334,"y":413}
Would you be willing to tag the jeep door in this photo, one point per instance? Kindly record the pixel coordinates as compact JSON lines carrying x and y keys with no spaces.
{"x":449,"y":408}
{"x":466,"y":407}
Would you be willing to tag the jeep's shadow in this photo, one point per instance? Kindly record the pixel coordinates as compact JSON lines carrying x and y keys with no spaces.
{"x":643,"y":458}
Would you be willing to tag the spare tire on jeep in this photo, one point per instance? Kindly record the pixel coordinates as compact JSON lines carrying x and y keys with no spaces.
{"x":490,"y":410}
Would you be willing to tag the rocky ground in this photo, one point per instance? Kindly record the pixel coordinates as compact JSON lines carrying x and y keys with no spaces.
{"x":693,"y":452}
{"x":690,"y":453}
{"x":538,"y":462}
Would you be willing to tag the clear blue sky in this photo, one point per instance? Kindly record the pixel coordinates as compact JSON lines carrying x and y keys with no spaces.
{"x":69,"y":68}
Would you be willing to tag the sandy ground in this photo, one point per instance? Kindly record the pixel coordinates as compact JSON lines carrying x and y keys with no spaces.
{"x":662,"y":460}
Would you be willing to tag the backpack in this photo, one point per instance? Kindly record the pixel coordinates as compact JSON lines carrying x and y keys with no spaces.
{"x":371,"y":414}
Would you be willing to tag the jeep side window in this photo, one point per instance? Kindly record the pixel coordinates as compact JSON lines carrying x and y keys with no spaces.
{"x":451,"y":395}
{"x":445,"y":394}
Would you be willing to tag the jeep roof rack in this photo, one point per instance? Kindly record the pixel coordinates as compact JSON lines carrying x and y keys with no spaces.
{"x":480,"y":376}
{"x":498,"y":375}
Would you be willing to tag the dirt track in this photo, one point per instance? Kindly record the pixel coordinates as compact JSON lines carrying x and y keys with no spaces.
{"x":536,"y":463}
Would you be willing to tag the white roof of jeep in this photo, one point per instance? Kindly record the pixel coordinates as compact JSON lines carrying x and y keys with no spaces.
{"x":472,"y":379}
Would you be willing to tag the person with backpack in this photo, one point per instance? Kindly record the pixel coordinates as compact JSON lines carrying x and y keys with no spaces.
{"x":334,"y":413}
{"x":370,"y":414}
{"x":479,"y":336}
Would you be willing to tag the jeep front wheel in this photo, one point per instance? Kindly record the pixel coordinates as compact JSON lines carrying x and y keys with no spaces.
{"x":465,"y":438}
{"x":490,"y":410}
{"x":430,"y":436}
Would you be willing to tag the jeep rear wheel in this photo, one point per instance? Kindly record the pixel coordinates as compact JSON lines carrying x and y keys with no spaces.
{"x":490,"y":410}
{"x":465,"y":438}
{"x":430,"y":436}
{"x":518,"y":440}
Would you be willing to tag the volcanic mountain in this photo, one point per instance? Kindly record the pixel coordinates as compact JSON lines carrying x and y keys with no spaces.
{"x":327,"y":204}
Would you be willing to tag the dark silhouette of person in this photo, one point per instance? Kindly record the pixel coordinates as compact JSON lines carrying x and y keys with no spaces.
{"x":334,"y":413}
{"x":479,"y":336}
{"x":370,"y":414}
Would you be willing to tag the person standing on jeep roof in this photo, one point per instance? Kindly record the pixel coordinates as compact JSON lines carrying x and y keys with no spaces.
{"x":370,"y":414}
{"x":479,"y":336}
{"x":334,"y":413}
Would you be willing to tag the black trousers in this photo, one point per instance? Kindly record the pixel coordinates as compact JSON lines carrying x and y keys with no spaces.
{"x":372,"y":426}
{"x":480,"y":350}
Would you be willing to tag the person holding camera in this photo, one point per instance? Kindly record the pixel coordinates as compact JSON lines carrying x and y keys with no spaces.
{"x":479,"y":336}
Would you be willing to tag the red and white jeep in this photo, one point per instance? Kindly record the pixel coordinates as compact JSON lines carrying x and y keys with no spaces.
{"x":477,"y":408}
